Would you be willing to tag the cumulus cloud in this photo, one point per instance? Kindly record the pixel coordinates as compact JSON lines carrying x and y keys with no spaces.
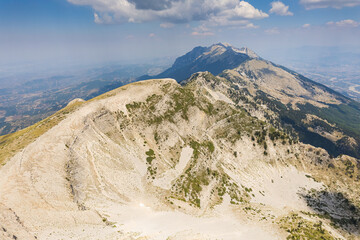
{"x":306,"y":25}
{"x":344,"y":23}
{"x":280,"y":8}
{"x":312,"y":4}
{"x":105,"y":18}
{"x":153,"y":4}
{"x":171,"y":11}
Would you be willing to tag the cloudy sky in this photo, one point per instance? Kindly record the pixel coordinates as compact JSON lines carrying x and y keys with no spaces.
{"x":138,"y":30}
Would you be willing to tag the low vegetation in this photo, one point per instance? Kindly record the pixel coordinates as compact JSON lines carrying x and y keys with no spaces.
{"x":152,"y":170}
{"x":298,"y":227}
{"x":11,"y":144}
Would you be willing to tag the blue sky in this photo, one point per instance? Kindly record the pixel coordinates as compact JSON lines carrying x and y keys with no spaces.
{"x":138,"y":30}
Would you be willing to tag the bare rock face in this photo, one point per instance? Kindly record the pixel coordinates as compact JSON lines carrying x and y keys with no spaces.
{"x":157,"y":160}
{"x":319,"y":115}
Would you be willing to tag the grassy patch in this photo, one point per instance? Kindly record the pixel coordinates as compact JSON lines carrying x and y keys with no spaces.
{"x":190,"y":185}
{"x":11,"y":144}
{"x":299,"y":228}
{"x":226,"y":185}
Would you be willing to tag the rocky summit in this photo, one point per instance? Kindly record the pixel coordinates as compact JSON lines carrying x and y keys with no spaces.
{"x":244,"y":149}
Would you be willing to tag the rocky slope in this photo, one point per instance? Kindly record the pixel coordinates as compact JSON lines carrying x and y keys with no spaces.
{"x":159,"y":160}
{"x":316,"y":114}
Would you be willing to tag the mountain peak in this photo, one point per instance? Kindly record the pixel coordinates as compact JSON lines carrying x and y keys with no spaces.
{"x":215,"y":59}
{"x":226,"y":46}
{"x":249,"y":52}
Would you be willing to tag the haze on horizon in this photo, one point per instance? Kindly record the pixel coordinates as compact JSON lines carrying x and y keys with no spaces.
{"x":102,"y":30}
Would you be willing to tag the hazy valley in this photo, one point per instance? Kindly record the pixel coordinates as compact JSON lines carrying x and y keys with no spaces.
{"x":26,"y":98}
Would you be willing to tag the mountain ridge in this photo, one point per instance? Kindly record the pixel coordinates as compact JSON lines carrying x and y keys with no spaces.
{"x":306,"y":97}
{"x":215,"y":59}
{"x":175,"y":151}
{"x":210,"y":158}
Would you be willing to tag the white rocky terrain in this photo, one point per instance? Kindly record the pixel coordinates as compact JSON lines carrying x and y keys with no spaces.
{"x":319,"y":115}
{"x":156,"y":160}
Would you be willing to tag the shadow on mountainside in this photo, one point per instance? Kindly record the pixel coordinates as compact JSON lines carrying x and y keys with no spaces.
{"x":335,"y":207}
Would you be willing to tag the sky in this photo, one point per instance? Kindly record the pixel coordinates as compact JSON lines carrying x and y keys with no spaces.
{"x":130,"y":31}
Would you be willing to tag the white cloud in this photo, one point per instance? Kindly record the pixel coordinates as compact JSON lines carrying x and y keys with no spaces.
{"x":245,"y":10}
{"x":312,"y":4}
{"x":306,"y":25}
{"x":151,"y":35}
{"x":344,"y":23}
{"x":96,"y":18}
{"x":280,"y":8}
{"x":171,"y":11}
{"x":105,"y":18}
